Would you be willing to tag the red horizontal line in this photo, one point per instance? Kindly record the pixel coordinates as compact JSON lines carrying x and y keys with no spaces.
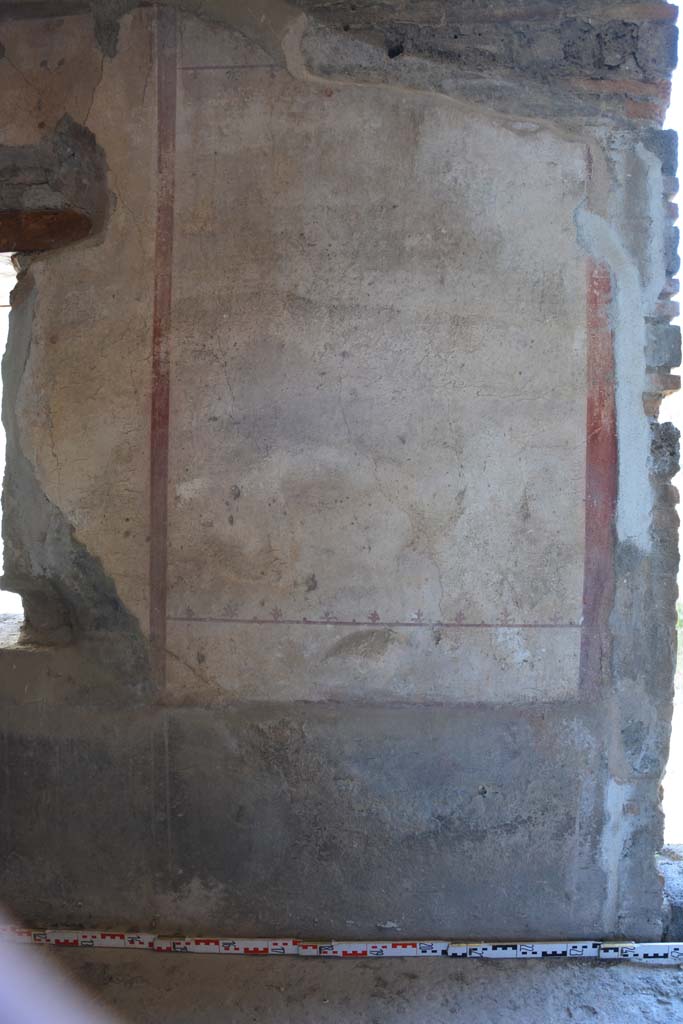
{"x":223,"y":67}
{"x":369,"y":622}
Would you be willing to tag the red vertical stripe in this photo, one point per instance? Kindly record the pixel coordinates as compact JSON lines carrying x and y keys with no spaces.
{"x":601,"y":478}
{"x":166,"y":46}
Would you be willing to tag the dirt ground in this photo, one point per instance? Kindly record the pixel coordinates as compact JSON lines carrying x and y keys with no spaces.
{"x":156,"y":987}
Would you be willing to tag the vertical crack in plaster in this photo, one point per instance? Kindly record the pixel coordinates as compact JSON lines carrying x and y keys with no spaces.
{"x":96,"y":86}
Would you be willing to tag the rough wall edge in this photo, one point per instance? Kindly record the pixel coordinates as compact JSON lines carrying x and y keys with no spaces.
{"x":54,"y":192}
{"x":66,"y":593}
{"x":599,"y":83}
{"x":644,"y":619}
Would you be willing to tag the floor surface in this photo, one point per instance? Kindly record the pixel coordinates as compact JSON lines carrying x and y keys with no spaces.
{"x":172,"y":989}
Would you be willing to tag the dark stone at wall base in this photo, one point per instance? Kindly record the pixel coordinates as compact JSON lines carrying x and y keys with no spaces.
{"x":306,"y":819}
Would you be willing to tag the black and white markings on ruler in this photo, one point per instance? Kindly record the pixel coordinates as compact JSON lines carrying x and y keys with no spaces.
{"x":642,"y":952}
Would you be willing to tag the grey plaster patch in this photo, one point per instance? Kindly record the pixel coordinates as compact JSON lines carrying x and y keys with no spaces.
{"x":369,"y":643}
{"x":307,"y":820}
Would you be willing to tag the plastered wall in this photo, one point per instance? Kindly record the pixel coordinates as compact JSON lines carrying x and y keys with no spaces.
{"x":348,"y":560}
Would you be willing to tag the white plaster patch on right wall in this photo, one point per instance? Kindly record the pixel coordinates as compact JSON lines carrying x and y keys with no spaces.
{"x":672,"y":411}
{"x":634,"y":500}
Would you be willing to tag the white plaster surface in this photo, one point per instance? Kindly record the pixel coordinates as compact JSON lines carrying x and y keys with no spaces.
{"x":378,"y":391}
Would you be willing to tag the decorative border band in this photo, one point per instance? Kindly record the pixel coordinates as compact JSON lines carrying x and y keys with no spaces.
{"x":166,"y":58}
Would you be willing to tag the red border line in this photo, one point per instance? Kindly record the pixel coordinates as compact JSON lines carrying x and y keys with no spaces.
{"x":166,"y":57}
{"x":601,"y":477}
